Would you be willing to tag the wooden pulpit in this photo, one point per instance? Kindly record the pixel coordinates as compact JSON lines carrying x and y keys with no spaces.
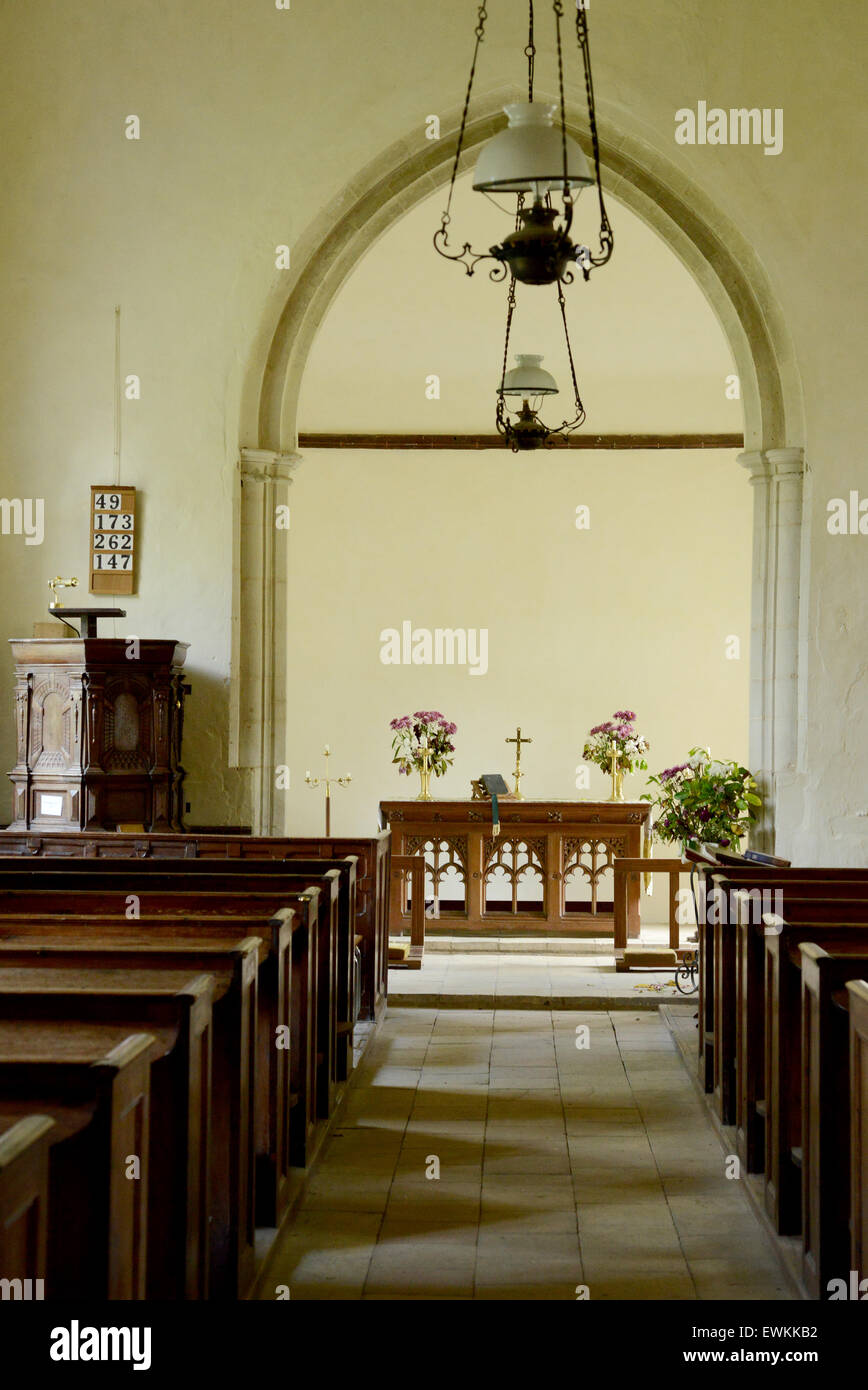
{"x":99,"y":724}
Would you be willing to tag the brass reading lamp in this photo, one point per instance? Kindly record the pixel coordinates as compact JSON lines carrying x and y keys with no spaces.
{"x":87,"y":616}
{"x":58,"y":583}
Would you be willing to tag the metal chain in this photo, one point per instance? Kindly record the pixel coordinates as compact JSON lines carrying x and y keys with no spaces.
{"x":607,"y":239}
{"x":479,"y":31}
{"x":559,"y":11}
{"x":500,"y":413}
{"x":530,"y":54}
{"x":580,"y":409}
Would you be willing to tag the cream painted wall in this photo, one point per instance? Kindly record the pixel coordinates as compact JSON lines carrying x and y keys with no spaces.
{"x":253,"y":120}
{"x":633,"y":612}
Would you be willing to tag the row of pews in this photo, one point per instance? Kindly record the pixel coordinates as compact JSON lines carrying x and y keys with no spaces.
{"x":783,"y":1051}
{"x":176,"y":1031}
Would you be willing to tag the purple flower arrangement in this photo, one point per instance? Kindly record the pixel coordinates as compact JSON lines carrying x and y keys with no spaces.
{"x":619,"y":730}
{"x":427,"y":728}
{"x":703,"y":801}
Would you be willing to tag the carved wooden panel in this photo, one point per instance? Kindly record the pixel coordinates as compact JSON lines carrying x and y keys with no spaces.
{"x":520,"y":860}
{"x":444,"y":856}
{"x":590,"y":858}
{"x":127,"y":731}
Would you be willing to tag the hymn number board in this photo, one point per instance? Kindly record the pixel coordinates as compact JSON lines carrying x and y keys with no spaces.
{"x":112,"y":540}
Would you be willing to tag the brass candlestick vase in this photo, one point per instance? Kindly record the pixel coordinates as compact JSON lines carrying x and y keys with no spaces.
{"x":423,"y":741}
{"x":617,"y":748}
{"x":617,"y":779}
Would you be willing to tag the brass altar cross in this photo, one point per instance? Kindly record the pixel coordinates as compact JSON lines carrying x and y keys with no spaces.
{"x":518,"y":774}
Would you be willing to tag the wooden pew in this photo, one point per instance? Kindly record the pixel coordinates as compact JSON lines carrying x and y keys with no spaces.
{"x":285,"y":1078}
{"x":182,"y":903}
{"x":747,"y":1007}
{"x":177,"y":1011}
{"x":234,"y":967}
{"x":372,"y":853}
{"x":756,"y":899}
{"x":210,"y":875}
{"x":94,"y":1082}
{"x":783,"y":1051}
{"x":25,"y":1142}
{"x":826,"y":1137}
{"x":175,"y":901}
{"x":857,"y":991}
{"x":720,"y":1033}
{"x":750,"y":1023}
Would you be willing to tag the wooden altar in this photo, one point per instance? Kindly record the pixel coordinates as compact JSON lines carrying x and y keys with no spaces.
{"x":99,"y":724}
{"x":529,"y":878}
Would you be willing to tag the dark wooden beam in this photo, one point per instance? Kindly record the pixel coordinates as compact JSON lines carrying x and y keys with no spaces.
{"x":495,"y":441}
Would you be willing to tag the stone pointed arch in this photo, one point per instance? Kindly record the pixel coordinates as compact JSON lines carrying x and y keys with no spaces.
{"x":727,"y":270}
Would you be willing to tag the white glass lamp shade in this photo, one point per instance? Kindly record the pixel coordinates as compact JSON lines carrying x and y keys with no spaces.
{"x":528,"y":154}
{"x":529,"y":378}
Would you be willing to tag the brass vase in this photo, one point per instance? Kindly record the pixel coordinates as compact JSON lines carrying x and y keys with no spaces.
{"x":425,"y":787}
{"x":617,"y":784}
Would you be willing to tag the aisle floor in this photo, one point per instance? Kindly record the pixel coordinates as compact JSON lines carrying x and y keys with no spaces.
{"x":559,"y":974}
{"x":560,"y":1166}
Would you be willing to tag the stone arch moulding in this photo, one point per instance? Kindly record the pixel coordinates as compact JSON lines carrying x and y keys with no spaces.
{"x":726,"y":269}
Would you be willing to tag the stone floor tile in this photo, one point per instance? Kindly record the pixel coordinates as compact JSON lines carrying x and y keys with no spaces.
{"x":559,"y":1165}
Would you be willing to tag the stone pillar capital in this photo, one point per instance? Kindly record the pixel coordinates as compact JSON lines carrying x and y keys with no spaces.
{"x":259,"y":465}
{"x":773,"y":463}
{"x":786,"y":461}
{"x":756,"y":463}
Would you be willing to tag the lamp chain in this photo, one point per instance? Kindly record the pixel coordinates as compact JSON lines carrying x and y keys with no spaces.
{"x":480,"y":35}
{"x":500,"y":414}
{"x":559,"y":10}
{"x":607,"y":239}
{"x":530,"y":54}
{"x":580,"y":409}
{"x":502,"y":423}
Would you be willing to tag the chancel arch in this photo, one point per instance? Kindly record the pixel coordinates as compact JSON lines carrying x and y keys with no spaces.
{"x":723,"y":264}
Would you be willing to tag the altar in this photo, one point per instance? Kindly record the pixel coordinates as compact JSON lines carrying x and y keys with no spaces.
{"x":549,"y":871}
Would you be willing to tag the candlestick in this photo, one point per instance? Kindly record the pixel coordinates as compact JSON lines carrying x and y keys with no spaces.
{"x":327,"y":781}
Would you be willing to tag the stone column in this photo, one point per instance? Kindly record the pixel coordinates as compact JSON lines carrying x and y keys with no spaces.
{"x":259,"y":668}
{"x":776,"y":477}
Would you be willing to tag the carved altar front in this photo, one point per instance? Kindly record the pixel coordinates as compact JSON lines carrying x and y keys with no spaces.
{"x":548,"y":871}
{"x":99,"y":723}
